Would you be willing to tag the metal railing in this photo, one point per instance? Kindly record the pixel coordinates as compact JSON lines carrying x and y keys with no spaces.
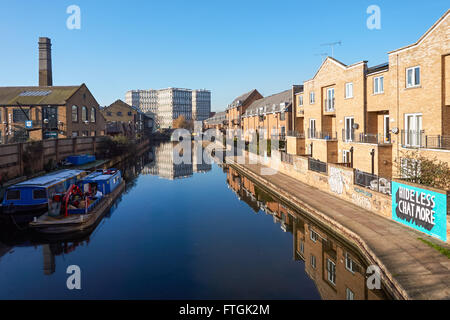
{"x":413,"y":139}
{"x":279,"y":136}
{"x":300,"y":135}
{"x":317,"y":165}
{"x":322,"y":135}
{"x":348,"y":135}
{"x":373,"y":182}
{"x":437,"y":142}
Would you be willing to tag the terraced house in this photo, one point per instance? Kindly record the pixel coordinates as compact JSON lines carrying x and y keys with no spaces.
{"x":237,"y":108}
{"x":270,"y":115}
{"x":367,"y":117}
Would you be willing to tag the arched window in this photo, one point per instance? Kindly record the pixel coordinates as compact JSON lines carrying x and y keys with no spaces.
{"x":93,"y":115}
{"x":84,"y":114}
{"x":74,"y":114}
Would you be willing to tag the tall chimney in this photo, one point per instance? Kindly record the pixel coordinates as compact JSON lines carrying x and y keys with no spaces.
{"x":45,"y":62}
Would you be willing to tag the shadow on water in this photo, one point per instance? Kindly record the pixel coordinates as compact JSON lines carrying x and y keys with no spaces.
{"x":188,"y":250}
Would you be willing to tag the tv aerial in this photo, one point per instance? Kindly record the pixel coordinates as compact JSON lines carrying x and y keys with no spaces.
{"x":332,"y":45}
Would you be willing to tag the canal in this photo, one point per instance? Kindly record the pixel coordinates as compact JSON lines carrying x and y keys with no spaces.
{"x":187,"y":231}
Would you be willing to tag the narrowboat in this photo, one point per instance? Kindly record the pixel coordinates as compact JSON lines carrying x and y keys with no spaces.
{"x":80,"y":159}
{"x":31,"y":198}
{"x":83,"y":205}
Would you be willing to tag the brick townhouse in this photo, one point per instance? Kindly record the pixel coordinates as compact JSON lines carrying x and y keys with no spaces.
{"x":237,"y":108}
{"x":367,"y":117}
{"x":271,"y":115}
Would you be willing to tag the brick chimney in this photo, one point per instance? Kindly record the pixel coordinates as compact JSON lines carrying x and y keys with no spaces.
{"x":45,"y":62}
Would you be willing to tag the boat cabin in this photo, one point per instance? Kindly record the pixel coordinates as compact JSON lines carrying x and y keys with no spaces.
{"x":35,"y":193}
{"x":104,"y":181}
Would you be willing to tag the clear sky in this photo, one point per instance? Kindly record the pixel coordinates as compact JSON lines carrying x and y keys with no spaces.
{"x":228,"y":47}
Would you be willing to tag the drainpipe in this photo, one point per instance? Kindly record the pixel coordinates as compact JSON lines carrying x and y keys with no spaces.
{"x":372,"y":154}
{"x":351,"y":157}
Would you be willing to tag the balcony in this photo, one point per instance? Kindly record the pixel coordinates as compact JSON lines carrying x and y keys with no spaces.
{"x":348,"y":135}
{"x":321,"y":135}
{"x":329,"y":105}
{"x":418,"y":139}
{"x":296,"y":134}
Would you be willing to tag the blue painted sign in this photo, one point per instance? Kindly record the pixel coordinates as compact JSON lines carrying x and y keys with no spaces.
{"x":29,"y":124}
{"x":421,"y":209}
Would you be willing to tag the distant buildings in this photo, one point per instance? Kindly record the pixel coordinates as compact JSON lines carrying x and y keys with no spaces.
{"x":123,"y":119}
{"x":166,"y":105}
{"x":47,"y":111}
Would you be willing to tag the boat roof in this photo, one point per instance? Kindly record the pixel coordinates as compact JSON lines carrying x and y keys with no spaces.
{"x":49,"y":179}
{"x":99,"y":176}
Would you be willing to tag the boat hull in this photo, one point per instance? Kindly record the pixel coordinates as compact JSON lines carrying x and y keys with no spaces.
{"x":78,"y":222}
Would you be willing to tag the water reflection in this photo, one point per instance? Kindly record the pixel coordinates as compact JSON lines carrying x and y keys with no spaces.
{"x":337,"y":268}
{"x":226,"y":251}
{"x":164,"y":162}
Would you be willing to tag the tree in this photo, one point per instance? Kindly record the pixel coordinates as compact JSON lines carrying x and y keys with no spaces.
{"x":432,"y":172}
{"x":182,"y":123}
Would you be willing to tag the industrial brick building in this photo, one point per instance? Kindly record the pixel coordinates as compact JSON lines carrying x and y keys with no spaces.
{"x":47,"y":111}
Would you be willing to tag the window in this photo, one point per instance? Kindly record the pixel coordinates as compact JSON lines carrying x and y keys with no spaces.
{"x":349,"y":263}
{"x":13,"y":195}
{"x":282,"y":116}
{"x":312,"y":128}
{"x":109,"y":113}
{"x":84,"y":114}
{"x":39,"y":194}
{"x":21,"y":115}
{"x":349,"y":132}
{"x":313,"y":261}
{"x":349,"y":90}
{"x":300,"y":100}
{"x":413,"y":130}
{"x":74,"y":114}
{"x":313,"y":235}
{"x":85,"y":133}
{"x":129,"y":113}
{"x":312,"y":97}
{"x":119,"y":113}
{"x":349,"y":294}
{"x":74,"y":133}
{"x":331,"y":271}
{"x":329,"y":102}
{"x":302,"y":247}
{"x":378,"y":85}
{"x":93,"y":115}
{"x":413,"y":77}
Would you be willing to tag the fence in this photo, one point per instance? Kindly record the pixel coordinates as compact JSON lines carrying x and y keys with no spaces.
{"x":286,"y":157}
{"x":317,"y":165}
{"x":372,"y":182}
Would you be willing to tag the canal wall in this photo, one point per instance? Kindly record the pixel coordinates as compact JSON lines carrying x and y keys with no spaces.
{"x":24,"y":159}
{"x":339,"y":181}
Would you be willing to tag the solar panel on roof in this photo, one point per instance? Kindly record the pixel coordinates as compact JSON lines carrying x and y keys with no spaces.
{"x":39,"y":93}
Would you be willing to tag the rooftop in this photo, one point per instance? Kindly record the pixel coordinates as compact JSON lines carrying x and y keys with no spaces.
{"x":52,"y":95}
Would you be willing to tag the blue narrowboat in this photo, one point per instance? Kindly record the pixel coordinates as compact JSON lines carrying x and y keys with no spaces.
{"x":32,"y":196}
{"x":83,"y":205}
{"x":105,"y":181}
{"x":80,"y":159}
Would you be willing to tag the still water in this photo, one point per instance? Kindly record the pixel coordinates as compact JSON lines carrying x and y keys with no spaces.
{"x":200,"y":231}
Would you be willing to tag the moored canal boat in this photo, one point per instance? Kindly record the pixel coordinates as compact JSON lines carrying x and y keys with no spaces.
{"x":82,"y":205}
{"x":31,"y":198}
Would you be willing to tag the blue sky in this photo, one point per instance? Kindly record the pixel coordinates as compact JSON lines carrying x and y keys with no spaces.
{"x":229,"y":47}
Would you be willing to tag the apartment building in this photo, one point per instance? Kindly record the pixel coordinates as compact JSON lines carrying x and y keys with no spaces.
{"x":237,"y":108}
{"x":144,"y":100}
{"x":201,"y":104}
{"x":217,"y":121}
{"x":367,"y":117}
{"x":270,"y":115}
{"x":166,"y":105}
